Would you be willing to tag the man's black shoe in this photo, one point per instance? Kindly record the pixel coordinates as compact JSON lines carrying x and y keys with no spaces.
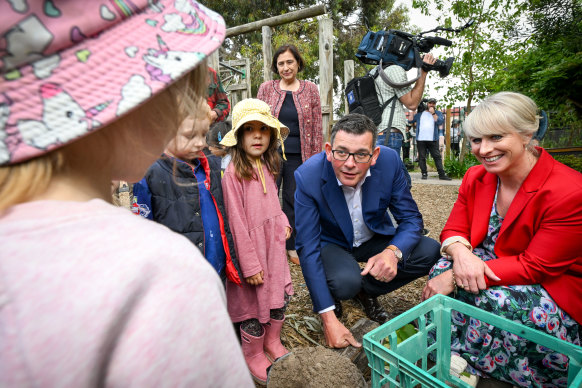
{"x":425,"y":232}
{"x":424,"y":176}
{"x":372,"y":308}
{"x":445,"y":178}
{"x":338,"y":308}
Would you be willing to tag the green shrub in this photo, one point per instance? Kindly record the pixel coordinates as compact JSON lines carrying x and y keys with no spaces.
{"x":572,"y":161}
{"x":430,"y":164}
{"x":455,"y":169}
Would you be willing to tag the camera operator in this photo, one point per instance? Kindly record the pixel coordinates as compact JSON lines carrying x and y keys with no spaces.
{"x":407,"y":96}
{"x":428,"y":120}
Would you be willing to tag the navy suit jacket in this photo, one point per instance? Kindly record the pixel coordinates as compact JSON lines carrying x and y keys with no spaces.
{"x":322,"y":216}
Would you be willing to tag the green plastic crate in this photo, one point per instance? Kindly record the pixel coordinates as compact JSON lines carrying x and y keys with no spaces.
{"x":407,"y":365}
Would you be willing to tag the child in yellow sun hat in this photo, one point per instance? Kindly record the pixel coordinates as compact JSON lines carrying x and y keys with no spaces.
{"x":259,"y":228}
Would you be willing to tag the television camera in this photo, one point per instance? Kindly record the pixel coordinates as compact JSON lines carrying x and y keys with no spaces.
{"x":403,"y":49}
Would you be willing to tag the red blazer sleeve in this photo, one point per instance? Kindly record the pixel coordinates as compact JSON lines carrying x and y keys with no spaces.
{"x":459,"y":221}
{"x":553,"y":248}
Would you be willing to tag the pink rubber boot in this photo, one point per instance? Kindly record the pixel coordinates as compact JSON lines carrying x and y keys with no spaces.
{"x":273,"y":346}
{"x":256,"y":359}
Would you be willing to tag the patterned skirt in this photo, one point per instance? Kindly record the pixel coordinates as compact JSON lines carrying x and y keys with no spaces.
{"x":501,"y":354}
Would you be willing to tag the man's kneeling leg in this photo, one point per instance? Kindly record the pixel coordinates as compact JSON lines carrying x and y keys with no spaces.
{"x":345,"y":281}
{"x":418,"y":264}
{"x":341,"y":271}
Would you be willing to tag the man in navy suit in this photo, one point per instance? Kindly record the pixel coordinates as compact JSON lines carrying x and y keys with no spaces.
{"x":341,"y":219}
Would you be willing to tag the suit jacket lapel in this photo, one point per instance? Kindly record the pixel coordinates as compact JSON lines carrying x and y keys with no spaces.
{"x":371,"y":190}
{"x":530,"y":186}
{"x":334,"y":196}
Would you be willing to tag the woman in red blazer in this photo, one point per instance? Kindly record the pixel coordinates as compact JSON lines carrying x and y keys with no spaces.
{"x":512,"y":246}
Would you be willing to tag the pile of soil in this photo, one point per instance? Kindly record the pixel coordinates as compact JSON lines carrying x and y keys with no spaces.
{"x":314,"y":367}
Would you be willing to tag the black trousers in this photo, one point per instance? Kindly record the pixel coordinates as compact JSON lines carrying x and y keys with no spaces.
{"x":287,"y":176}
{"x":433,"y":148}
{"x":406,"y":150}
{"x":343,"y":272}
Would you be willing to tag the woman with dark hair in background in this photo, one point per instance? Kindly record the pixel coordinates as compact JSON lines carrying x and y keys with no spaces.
{"x":297,"y":105}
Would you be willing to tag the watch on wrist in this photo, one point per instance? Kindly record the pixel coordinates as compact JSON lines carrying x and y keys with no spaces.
{"x":397,"y":252}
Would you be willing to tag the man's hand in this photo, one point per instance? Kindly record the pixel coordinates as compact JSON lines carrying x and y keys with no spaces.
{"x":412,"y":98}
{"x":213,"y":116}
{"x":336,"y":334}
{"x":256,"y":279}
{"x":382,"y":267}
{"x":470,"y":270}
{"x":429,"y":59}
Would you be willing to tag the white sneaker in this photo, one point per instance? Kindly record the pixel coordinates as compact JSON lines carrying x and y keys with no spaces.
{"x":458,"y":366}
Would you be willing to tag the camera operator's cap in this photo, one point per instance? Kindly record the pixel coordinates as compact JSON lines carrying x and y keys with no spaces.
{"x":432,"y":100}
{"x":68,"y":68}
{"x":252,"y":109}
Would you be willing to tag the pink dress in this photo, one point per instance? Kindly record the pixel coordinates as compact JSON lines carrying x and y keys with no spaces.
{"x":258,"y":227}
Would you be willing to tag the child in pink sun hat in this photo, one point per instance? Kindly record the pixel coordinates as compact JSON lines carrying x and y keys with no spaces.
{"x":90,"y":92}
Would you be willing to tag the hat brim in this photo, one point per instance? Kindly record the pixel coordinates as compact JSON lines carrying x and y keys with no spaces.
{"x":229,"y":139}
{"x":102,"y":74}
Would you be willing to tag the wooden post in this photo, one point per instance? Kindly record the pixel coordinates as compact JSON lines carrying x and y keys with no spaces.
{"x":213,"y":61}
{"x":326,"y":74}
{"x":277,"y":20}
{"x":248,"y":77}
{"x":348,"y":76}
{"x":267,"y":53}
{"x":242,"y":89}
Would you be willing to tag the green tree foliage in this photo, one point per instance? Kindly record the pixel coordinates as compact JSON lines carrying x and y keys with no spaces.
{"x":550,"y":72}
{"x":529,"y":46}
{"x":350,"y":18}
{"x":482,"y":50}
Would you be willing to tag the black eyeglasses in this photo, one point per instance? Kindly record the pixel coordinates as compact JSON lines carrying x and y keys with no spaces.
{"x":359,"y":157}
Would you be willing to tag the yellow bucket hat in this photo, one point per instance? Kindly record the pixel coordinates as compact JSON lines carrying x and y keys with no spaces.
{"x":252,"y":109}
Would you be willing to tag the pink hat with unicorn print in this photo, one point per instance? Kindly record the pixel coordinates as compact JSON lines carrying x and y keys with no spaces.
{"x":68,"y":68}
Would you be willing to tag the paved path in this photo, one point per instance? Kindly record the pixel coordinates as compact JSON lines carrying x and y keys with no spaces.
{"x":433,"y":179}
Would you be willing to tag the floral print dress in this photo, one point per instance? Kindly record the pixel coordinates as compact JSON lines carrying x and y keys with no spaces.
{"x":501,"y":354}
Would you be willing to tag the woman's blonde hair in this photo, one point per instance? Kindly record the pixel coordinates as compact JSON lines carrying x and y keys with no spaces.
{"x":20,"y":182}
{"x":502,"y":113}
